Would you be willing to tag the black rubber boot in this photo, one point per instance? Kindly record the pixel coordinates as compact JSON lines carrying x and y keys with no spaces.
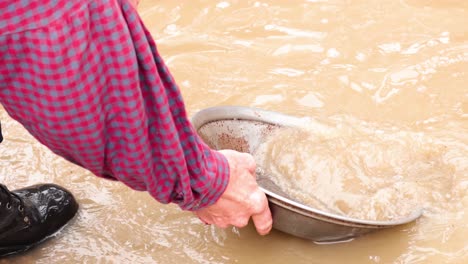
{"x":30,"y":215}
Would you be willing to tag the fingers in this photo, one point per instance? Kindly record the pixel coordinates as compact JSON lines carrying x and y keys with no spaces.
{"x":241,"y":221}
{"x":263,"y":221}
{"x":261,"y":213}
{"x":210,"y":220}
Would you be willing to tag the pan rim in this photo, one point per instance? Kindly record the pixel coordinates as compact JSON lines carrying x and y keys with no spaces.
{"x":240,"y":113}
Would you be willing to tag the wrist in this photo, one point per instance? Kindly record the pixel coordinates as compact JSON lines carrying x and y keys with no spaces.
{"x":216,"y":181}
{"x":220,"y":182}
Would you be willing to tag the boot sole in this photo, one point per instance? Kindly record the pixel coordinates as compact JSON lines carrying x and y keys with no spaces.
{"x":18,"y":249}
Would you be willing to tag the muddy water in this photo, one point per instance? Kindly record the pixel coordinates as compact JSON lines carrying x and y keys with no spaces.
{"x":398,"y":65}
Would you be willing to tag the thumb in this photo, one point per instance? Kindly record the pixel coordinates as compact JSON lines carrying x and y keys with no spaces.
{"x":263,"y":221}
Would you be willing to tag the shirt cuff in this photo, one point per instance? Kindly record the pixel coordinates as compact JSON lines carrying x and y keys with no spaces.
{"x":217,"y":180}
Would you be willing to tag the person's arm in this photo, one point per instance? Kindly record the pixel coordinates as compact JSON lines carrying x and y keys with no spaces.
{"x":105,"y":101}
{"x":88,"y":83}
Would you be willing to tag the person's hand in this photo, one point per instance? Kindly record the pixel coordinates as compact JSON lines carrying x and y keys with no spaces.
{"x":242,"y":198}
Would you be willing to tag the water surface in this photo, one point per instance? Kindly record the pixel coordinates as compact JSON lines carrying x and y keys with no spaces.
{"x":400,"y":65}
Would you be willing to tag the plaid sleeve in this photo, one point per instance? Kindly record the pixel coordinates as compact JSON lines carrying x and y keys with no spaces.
{"x":86,"y":80}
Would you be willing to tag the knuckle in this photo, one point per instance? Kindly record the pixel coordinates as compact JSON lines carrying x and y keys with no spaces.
{"x":242,"y":222}
{"x":258,"y":202}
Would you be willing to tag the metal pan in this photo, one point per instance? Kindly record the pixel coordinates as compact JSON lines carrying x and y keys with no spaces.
{"x":244,"y":129}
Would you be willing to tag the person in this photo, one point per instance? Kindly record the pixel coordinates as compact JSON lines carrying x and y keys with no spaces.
{"x":85,"y":78}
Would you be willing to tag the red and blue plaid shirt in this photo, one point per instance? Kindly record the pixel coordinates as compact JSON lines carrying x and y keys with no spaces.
{"x":86,"y":80}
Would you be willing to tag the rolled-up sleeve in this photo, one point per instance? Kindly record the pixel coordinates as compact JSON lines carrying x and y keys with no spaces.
{"x":86,"y":80}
